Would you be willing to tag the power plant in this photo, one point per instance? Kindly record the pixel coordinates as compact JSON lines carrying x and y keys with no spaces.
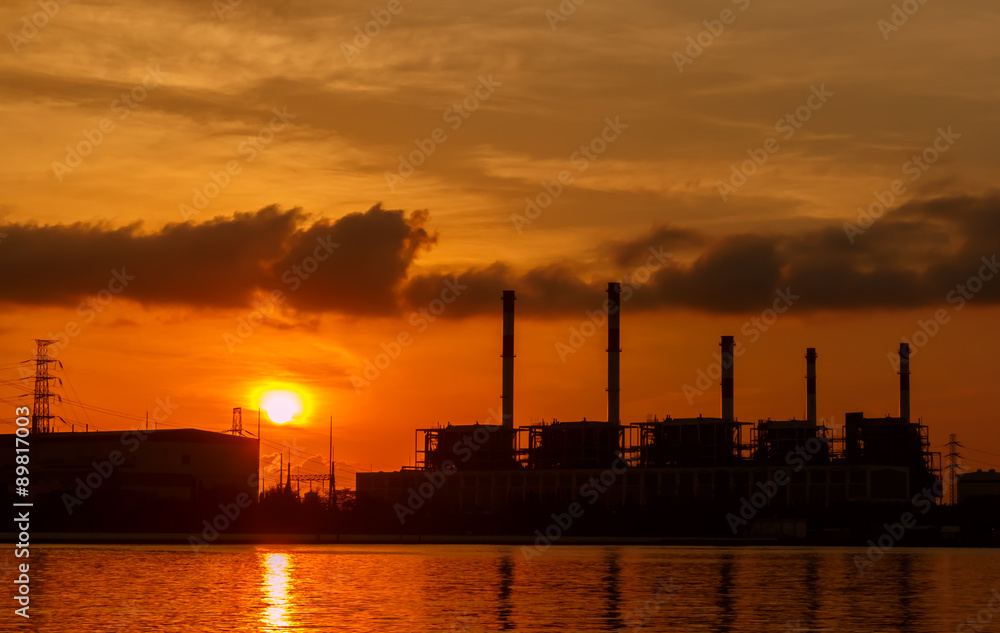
{"x":659,"y":464}
{"x":685,"y":477}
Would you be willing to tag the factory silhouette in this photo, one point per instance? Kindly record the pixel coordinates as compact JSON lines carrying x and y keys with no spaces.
{"x":710,"y":479}
{"x":701,"y":476}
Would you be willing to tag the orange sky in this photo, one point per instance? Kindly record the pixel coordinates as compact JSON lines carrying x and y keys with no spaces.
{"x":276,"y":113}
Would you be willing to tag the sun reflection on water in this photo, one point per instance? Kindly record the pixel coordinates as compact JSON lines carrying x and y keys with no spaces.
{"x":275,"y":581}
{"x":374,"y":588}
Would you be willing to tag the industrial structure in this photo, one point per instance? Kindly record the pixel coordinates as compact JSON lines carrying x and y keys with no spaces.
{"x":660,"y":472}
{"x":670,"y":462}
{"x":978,"y":485}
{"x":147,"y":480}
{"x":139,"y":480}
{"x":142,"y":480}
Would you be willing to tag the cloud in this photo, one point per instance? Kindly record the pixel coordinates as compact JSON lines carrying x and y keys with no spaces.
{"x":368,"y":257}
{"x":731,"y":276}
{"x":912,"y":257}
{"x":216,"y":263}
{"x":361,"y":264}
{"x":542,"y":290}
{"x":222,"y":263}
{"x":670,"y":239}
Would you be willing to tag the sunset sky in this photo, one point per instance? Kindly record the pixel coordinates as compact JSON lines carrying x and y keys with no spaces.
{"x":175,"y":169}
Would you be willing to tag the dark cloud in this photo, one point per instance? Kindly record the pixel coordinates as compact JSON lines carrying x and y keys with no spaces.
{"x":912,"y":257}
{"x":731,"y":276}
{"x":365,"y":257}
{"x":670,"y":239}
{"x":360,"y":264}
{"x":542,"y":290}
{"x":478,"y":289}
{"x":216,"y":263}
{"x":353,"y":265}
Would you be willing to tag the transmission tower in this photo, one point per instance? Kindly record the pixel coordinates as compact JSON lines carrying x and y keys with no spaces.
{"x":953,"y":467}
{"x":41,"y":417}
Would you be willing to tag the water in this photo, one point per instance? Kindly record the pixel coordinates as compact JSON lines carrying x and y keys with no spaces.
{"x":488,"y":588}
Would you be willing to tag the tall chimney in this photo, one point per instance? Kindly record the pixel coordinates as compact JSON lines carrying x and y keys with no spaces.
{"x":614,"y":352}
{"x":508,"y":359}
{"x":727,"y":377}
{"x":811,"y":385}
{"x":904,"y":382}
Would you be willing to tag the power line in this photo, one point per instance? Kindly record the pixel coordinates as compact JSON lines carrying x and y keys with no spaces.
{"x":969,"y":448}
{"x":979,"y":461}
{"x":16,"y":383}
{"x":76,"y":395}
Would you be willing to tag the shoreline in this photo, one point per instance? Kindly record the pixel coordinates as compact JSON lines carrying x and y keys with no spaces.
{"x":111,"y":538}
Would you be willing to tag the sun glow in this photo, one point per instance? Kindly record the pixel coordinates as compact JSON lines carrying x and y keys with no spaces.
{"x":276,"y":585}
{"x":281,"y":405}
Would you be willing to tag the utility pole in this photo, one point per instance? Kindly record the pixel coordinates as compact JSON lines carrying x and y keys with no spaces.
{"x":953,"y":467}
{"x":260,"y":487}
{"x":333,"y":485}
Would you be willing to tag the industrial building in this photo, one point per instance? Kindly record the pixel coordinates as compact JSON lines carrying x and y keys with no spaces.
{"x":156,"y":480}
{"x":143,"y":481}
{"x":979,"y":486}
{"x":163,"y":464}
{"x":659,"y":464}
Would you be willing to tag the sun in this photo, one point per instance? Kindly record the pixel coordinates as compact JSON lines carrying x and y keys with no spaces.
{"x":281,"y":405}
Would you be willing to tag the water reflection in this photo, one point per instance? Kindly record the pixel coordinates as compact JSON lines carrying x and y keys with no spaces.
{"x":568,"y":589}
{"x":612,"y":610}
{"x":811,"y":586}
{"x":913,"y":573}
{"x":505,"y":566}
{"x":276,"y":581}
{"x":906,"y":615}
{"x":724,"y":601}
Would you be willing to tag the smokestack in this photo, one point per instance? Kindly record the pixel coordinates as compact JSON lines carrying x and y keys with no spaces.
{"x":727,"y":377}
{"x":614,"y":351}
{"x":811,"y":385}
{"x":904,"y":382}
{"x":508,"y":359}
